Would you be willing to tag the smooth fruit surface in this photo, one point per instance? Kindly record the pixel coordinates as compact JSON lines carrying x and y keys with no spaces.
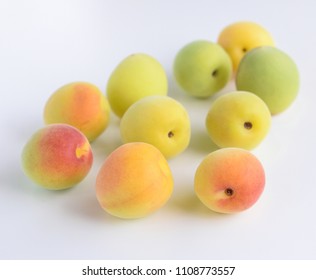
{"x":134,"y":181}
{"x":81,"y":105}
{"x":135,"y":77}
{"x":272,"y":75}
{"x":229,"y":180}
{"x":158,"y":120}
{"x":238,"y":119}
{"x":57,"y":157}
{"x":240,"y":37}
{"x":202,"y":68}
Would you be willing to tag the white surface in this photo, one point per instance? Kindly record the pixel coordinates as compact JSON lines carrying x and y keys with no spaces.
{"x":45,"y":44}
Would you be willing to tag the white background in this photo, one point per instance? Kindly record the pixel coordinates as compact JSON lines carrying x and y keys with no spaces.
{"x":46,"y":44}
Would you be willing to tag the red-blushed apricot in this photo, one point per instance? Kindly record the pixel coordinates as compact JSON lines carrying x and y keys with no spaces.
{"x":81,"y":105}
{"x":229,"y":180}
{"x":134,"y":181}
{"x":57,"y":157}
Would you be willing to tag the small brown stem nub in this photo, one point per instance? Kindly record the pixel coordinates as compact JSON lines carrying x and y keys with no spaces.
{"x":170,"y":134}
{"x":248,"y":125}
{"x":229,"y":191}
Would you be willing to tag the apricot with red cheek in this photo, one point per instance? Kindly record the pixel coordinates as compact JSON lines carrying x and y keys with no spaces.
{"x":229,"y":180}
{"x":134,"y":181}
{"x":57,"y":157}
{"x":81,"y":105}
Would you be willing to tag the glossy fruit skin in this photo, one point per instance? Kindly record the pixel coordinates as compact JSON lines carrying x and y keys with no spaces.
{"x":238,"y":119}
{"x":158,"y":120}
{"x":57,"y":157}
{"x":202,"y":68}
{"x":134,"y":181}
{"x":229,"y":180}
{"x":137,"y":76}
{"x":272,"y":75}
{"x":240,"y":37}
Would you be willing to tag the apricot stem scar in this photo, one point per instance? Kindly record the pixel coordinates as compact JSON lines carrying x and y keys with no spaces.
{"x":229,"y":191}
{"x":248,"y":125}
{"x":214,"y":73}
{"x":170,"y":134}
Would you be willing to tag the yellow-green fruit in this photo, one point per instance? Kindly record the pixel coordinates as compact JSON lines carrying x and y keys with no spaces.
{"x":238,"y":119}
{"x":202,"y":68}
{"x":137,"y":76}
{"x":158,"y":120}
{"x":79,"y":104}
{"x":240,"y":37}
{"x":272,"y":75}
